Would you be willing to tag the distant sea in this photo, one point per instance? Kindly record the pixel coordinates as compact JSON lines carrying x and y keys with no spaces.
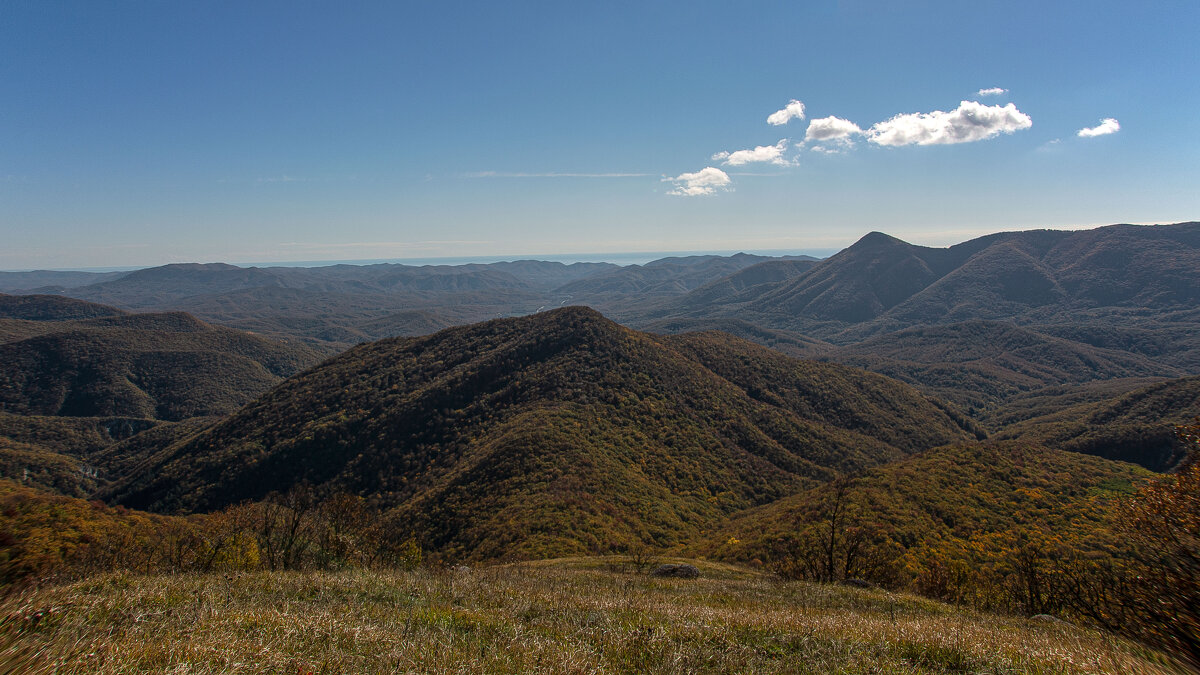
{"x":640,"y":258}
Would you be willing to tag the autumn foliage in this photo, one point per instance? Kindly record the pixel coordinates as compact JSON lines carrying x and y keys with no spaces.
{"x":45,"y":536}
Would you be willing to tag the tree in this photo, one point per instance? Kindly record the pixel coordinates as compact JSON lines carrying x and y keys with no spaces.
{"x":1153,"y":594}
{"x":1163,"y":522}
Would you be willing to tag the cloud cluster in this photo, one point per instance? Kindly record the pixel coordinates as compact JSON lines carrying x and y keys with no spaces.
{"x":970,"y":121}
{"x":772,"y":154}
{"x":1107,"y":126}
{"x":706,"y":181}
{"x":793,"y":110}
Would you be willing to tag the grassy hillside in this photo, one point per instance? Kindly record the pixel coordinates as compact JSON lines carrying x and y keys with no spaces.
{"x":557,"y":433}
{"x":560,"y":617}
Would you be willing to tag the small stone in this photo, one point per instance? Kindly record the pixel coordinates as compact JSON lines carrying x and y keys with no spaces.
{"x":1048,"y":618}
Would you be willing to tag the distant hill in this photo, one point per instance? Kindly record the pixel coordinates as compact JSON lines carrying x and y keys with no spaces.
{"x":979,"y":363}
{"x":729,"y":289}
{"x":553,"y":433}
{"x":51,"y":308}
{"x":1134,"y":426}
{"x":28,"y":282}
{"x":334,"y":307}
{"x":978,"y":322}
{"x":163,"y":366}
{"x":882,"y":284}
{"x":664,"y":277}
{"x":792,"y":344}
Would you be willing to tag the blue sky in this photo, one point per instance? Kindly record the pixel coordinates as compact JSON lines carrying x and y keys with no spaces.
{"x":139,"y":133}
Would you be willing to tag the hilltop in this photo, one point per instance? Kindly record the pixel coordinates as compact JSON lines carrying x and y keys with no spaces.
{"x":162,"y":366}
{"x":560,"y":432}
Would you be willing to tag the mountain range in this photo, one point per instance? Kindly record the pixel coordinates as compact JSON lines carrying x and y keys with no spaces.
{"x":726,"y":386}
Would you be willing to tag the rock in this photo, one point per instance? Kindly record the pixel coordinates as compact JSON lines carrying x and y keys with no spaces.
{"x":1049,"y":619}
{"x":676,"y":570}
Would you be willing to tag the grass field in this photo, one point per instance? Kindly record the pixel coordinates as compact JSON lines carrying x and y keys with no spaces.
{"x":567,"y":616}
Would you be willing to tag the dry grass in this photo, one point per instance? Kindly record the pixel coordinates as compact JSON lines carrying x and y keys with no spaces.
{"x":564,"y":617}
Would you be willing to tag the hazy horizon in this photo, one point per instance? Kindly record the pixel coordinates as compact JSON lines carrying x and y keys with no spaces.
{"x":615,"y":257}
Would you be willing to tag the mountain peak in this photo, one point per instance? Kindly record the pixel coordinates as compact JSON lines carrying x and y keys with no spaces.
{"x":877,"y":240}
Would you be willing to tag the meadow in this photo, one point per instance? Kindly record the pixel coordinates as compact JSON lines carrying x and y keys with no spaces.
{"x":580,"y":615}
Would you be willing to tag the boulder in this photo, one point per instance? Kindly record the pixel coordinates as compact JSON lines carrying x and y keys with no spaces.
{"x":679,"y":571}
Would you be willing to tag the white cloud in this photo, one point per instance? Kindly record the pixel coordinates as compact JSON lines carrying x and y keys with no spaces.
{"x":793,"y":110}
{"x":971,"y":121}
{"x":706,"y":181}
{"x":992,"y":91}
{"x":835,"y":149}
{"x":1107,"y":126}
{"x":762,"y":153}
{"x":831,"y":128}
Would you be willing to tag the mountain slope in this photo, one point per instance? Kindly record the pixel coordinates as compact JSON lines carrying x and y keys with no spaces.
{"x":164,"y":366}
{"x":1137,"y":426}
{"x":969,"y":505}
{"x":979,"y":363}
{"x":882,"y":284}
{"x":554,"y":433}
{"x":51,"y":308}
{"x":858,"y":284}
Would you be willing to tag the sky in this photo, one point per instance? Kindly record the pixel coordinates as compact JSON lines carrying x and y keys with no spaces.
{"x":142,"y":133}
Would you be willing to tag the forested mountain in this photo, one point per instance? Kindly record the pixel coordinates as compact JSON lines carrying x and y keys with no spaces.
{"x":980,"y":363}
{"x":334,"y":307}
{"x":51,"y":308}
{"x":161,"y":366}
{"x":882,"y":284}
{"x":554,"y":433}
{"x":664,"y":277}
{"x":1037,"y":276}
{"x":979,"y":322}
{"x":1135,"y":426}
